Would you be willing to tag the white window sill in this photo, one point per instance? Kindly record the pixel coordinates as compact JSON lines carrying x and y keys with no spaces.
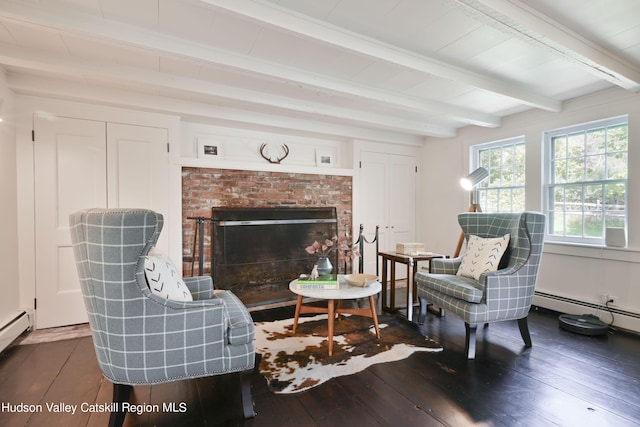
{"x":592,"y":251}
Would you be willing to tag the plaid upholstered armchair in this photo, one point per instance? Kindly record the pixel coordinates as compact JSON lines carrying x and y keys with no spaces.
{"x":140,"y":336}
{"x":503,"y":290}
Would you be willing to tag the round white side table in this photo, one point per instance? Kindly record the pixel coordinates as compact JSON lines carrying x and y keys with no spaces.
{"x":344,"y":291}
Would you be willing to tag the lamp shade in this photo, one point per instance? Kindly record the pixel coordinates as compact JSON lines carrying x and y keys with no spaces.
{"x":474,"y":178}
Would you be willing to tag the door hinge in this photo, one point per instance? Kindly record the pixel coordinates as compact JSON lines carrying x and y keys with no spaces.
{"x":35,"y":303}
{"x":33,"y":135}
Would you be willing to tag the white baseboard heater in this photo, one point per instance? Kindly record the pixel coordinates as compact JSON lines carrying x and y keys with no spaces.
{"x":12,"y":328}
{"x":588,"y":304}
{"x":621,"y":319}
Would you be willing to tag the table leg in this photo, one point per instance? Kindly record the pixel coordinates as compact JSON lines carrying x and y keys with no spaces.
{"x":415,"y":271}
{"x":392,"y":291}
{"x":295,"y":317}
{"x":374,"y":315}
{"x":410,"y":290}
{"x":384,"y":283}
{"x":331,"y":315}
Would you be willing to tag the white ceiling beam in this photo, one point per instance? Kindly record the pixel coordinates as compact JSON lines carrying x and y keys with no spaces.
{"x":521,"y":20}
{"x":274,"y":15}
{"x":35,"y":61}
{"x":68,"y":20}
{"x":197,"y":111}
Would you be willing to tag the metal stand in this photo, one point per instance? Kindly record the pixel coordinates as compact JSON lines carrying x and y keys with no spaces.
{"x":198,"y":242}
{"x":474,"y":206}
{"x":360,"y":242}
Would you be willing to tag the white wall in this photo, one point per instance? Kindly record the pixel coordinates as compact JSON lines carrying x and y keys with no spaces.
{"x":567,"y":272}
{"x":10,"y":302}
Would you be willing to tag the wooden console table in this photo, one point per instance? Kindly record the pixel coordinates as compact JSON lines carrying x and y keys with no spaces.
{"x":411,"y":261}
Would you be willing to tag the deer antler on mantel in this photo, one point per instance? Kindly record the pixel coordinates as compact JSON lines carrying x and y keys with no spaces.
{"x":278,"y":159}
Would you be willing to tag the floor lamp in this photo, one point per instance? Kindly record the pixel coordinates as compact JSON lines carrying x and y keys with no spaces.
{"x":469,"y":183}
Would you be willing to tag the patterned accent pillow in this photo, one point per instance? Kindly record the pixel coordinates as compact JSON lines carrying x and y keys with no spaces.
{"x":164,"y":280}
{"x":482,"y":255}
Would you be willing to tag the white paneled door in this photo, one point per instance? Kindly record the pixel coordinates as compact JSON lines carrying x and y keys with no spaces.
{"x":402,"y":200}
{"x":388,"y":200}
{"x":138,"y":175}
{"x":70,"y":174}
{"x":82,"y":164}
{"x":374,"y":175}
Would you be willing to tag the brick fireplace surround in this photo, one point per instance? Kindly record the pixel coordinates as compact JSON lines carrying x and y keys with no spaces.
{"x":205,"y":188}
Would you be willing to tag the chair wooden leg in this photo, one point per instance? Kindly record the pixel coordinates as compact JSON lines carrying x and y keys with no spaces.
{"x":423,"y":310}
{"x":121,"y":394}
{"x":247,"y":401}
{"x":524,"y":331}
{"x":470,"y":340}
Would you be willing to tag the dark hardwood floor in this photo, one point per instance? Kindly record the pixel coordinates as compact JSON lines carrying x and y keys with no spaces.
{"x":565,"y":379}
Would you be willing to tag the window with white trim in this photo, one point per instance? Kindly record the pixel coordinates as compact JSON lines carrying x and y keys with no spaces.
{"x":586,"y":180}
{"x":504,"y":189}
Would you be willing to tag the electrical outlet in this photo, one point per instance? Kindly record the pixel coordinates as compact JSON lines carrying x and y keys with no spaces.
{"x":608,"y":299}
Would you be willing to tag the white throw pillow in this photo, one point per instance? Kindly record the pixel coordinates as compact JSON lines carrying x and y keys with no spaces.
{"x":163,"y":278}
{"x":482,"y":255}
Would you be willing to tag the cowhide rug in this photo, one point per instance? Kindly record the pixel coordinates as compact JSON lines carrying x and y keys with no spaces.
{"x":293,"y":363}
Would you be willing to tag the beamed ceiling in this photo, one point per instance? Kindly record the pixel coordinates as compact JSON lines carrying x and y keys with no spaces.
{"x":394,"y":70}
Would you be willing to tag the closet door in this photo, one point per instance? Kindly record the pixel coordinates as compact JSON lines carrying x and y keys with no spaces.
{"x":388,"y":200}
{"x":87,"y":164}
{"x":138,"y":170}
{"x":70,"y":162}
{"x":373,"y":203}
{"x":402,"y":200}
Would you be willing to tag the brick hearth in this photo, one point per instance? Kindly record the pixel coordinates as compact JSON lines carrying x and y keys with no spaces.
{"x":205,"y":188}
